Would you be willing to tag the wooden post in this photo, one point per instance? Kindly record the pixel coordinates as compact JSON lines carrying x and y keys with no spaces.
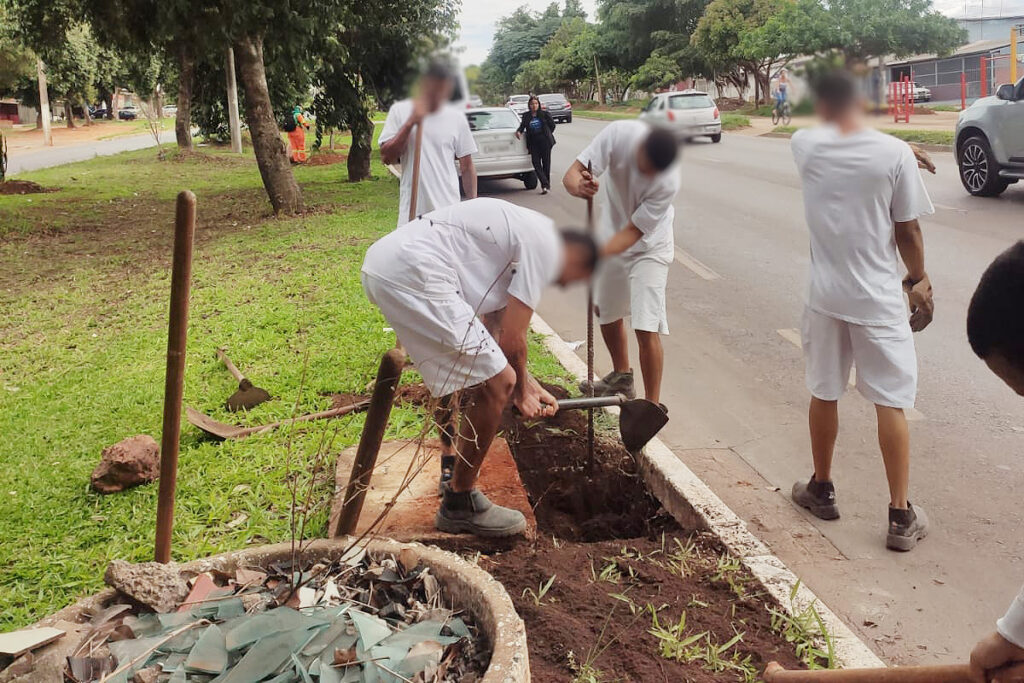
{"x":233,"y":121}
{"x":388,"y":375}
{"x":174,"y":383}
{"x":414,"y":195}
{"x":590,"y":334}
{"x":44,"y":104}
{"x":963,"y":91}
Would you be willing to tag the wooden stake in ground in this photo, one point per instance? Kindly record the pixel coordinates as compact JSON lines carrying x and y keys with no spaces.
{"x":174,"y":383}
{"x":956,"y":673}
{"x":414,"y":196}
{"x":388,"y":375}
{"x":590,"y":331}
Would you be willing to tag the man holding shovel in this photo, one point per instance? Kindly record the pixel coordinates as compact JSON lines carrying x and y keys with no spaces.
{"x":636,"y":167}
{"x":995,"y":329}
{"x":443,"y":136}
{"x":433,"y":278}
{"x":863,"y":196}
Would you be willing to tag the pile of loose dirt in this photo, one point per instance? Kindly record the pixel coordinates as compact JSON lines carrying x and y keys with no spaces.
{"x":344,"y":400}
{"x":730,"y":103}
{"x":326,"y":159}
{"x":616,"y":557}
{"x":23,"y":187}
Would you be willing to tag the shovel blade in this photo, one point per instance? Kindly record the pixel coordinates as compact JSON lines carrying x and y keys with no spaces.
{"x":216,"y":429}
{"x":247,"y":396}
{"x":640,"y":421}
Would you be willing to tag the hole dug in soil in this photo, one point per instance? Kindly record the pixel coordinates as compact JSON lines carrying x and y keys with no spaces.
{"x":611,"y":567}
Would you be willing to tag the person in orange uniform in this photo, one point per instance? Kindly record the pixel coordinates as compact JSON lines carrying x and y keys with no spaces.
{"x":296,"y":127}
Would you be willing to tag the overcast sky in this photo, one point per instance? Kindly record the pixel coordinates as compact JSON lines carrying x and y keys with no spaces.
{"x":478,"y":18}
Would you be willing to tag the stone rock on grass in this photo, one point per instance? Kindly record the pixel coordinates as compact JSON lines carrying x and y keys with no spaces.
{"x":128,"y":463}
{"x":157,"y":586}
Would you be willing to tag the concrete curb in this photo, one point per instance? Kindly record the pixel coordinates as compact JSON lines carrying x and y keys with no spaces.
{"x":695,"y":506}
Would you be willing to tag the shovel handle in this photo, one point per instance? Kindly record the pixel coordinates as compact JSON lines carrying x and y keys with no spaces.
{"x":592,"y":402}
{"x":333,"y":412}
{"x":955,"y":673}
{"x":231,"y":366}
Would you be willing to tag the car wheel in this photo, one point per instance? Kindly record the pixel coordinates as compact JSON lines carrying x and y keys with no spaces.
{"x":979,"y":171}
{"x":569,"y":120}
{"x":717,"y":137}
{"x":530,"y":181}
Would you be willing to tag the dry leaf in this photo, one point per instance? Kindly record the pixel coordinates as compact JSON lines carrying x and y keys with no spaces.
{"x":345,"y":657}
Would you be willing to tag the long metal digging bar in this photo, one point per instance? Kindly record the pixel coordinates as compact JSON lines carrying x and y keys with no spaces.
{"x":955,"y":673}
{"x":221,"y":430}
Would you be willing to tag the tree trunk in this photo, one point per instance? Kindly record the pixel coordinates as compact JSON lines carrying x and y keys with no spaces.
{"x":233,"y":122}
{"x":85,"y":112}
{"x":362,"y":147}
{"x":69,"y":114}
{"x":597,"y":77}
{"x":183,"y":119}
{"x":44,"y":104}
{"x":271,"y":154}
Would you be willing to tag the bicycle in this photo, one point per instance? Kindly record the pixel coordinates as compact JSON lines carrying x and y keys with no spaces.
{"x":782,"y":113}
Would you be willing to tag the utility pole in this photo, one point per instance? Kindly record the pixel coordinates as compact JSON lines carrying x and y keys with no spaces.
{"x":44,"y":104}
{"x":236,"y":128}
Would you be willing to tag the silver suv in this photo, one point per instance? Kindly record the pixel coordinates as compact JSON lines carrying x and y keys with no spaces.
{"x":990,"y":141}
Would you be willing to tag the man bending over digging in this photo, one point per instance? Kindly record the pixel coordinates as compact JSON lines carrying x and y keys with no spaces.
{"x":432,"y":278}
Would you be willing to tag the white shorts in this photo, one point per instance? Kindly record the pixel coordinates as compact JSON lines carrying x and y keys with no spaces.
{"x":883,"y":354}
{"x":634,"y":287}
{"x":450,"y":346}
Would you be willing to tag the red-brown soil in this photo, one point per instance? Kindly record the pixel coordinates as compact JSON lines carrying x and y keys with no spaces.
{"x":588,"y":521}
{"x":326,"y":159}
{"x":22,"y":187}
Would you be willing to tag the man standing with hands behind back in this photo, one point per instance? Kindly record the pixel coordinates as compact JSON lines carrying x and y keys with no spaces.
{"x":636,"y":167}
{"x":446,"y":137}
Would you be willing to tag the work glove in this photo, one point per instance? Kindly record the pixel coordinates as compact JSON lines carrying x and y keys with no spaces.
{"x":922,"y":305}
{"x":923,"y":160}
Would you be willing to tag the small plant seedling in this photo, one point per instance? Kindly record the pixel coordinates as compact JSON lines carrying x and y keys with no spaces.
{"x":584,"y":672}
{"x":542,"y":590}
{"x":806,"y":630}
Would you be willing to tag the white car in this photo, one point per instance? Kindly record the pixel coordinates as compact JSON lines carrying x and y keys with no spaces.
{"x":690,"y":113}
{"x":518,"y":103}
{"x":499,"y":153}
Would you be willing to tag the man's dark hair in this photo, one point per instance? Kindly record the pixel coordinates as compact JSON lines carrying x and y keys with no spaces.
{"x":995,"y":318}
{"x":836,"y":89}
{"x":440,"y":68}
{"x":585,"y":242}
{"x":661,"y":147}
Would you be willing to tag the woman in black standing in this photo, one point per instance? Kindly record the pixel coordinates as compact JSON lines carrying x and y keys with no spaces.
{"x":540,"y":138}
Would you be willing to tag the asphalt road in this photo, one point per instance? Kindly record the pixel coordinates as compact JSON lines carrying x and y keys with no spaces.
{"x":735,"y":388}
{"x":30,"y":160}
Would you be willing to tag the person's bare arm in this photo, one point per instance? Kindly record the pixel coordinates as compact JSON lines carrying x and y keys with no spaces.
{"x":468,"y":176}
{"x":528,"y":396}
{"x":391,"y":151}
{"x":578,"y":182}
{"x":622,"y":240}
{"x":910,"y":243}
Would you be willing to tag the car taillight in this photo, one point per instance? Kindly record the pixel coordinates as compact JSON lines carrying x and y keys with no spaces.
{"x":568,"y":105}
{"x":716,"y":112}
{"x":671,"y":116}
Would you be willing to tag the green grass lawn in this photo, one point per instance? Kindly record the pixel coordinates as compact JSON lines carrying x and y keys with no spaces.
{"x":84,"y":286}
{"x":729,"y":121}
{"x":925,"y":137}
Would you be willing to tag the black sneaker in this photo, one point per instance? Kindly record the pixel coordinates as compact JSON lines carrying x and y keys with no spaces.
{"x":470,"y":512}
{"x":447,"y":469}
{"x":906,"y":527}
{"x":817,"y":496}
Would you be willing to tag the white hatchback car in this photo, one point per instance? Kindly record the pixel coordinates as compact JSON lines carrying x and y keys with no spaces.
{"x":691,"y":113}
{"x":518,"y":103}
{"x":499,"y":153}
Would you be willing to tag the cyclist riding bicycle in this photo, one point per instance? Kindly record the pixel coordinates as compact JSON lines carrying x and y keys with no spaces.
{"x":780,"y":90}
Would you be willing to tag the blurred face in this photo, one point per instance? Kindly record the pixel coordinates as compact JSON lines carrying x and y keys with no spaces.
{"x":534,"y":106}
{"x":577,"y":265}
{"x":1012,"y":374}
{"x":644,"y":165}
{"x":436,"y":91}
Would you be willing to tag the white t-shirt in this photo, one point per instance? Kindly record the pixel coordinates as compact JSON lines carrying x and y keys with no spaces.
{"x":482,"y":250}
{"x":855,"y":187}
{"x":446,"y":137}
{"x":627,"y":194}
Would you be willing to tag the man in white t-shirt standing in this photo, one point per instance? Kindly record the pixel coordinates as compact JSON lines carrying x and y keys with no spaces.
{"x":863,"y":195}
{"x":636,"y":167}
{"x":432,"y":279}
{"x":446,"y":137}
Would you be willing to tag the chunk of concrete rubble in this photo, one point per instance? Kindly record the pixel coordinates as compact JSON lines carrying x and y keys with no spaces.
{"x":127,"y":463}
{"x":157,"y":586}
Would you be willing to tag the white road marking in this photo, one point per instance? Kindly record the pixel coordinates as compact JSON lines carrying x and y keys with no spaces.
{"x":948,"y":208}
{"x":792,"y":335}
{"x":698,"y":268}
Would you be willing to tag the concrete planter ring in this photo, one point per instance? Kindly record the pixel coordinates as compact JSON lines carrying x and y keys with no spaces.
{"x":466,"y":586}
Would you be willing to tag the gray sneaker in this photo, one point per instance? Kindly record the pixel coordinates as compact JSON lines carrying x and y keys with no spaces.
{"x":611,"y":384}
{"x":470,"y":512}
{"x":817,"y":496}
{"x":906,"y":527}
